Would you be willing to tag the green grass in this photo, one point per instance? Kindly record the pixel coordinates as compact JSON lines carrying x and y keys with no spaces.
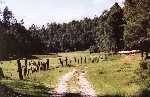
{"x":30,"y":88}
{"x":115,"y":76}
{"x":39,"y":84}
{"x":49,"y":78}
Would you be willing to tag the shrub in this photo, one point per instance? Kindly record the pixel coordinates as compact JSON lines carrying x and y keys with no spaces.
{"x":93,"y":49}
{"x":144,"y":64}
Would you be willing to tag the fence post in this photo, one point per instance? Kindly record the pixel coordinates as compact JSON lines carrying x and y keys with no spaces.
{"x":93,"y":60}
{"x":25,"y":69}
{"x":70,"y":61}
{"x":1,"y":73}
{"x":81,"y":60}
{"x":38,"y":66}
{"x":78,"y":61}
{"x":41,"y":66}
{"x":19,"y":69}
{"x":44,"y":65}
{"x":75,"y":59}
{"x":66,"y":61}
{"x":61,"y":62}
{"x":47,"y":64}
{"x":98,"y":60}
{"x":85,"y":60}
{"x":29,"y":69}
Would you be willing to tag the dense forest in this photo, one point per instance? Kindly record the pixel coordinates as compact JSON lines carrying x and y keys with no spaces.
{"x":116,"y":29}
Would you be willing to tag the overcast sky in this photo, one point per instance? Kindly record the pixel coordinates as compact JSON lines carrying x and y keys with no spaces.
{"x":42,"y":12}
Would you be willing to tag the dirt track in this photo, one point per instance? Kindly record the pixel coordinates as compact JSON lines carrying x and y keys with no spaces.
{"x":84,"y":86}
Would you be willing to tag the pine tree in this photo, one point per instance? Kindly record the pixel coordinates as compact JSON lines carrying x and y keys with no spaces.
{"x":115,"y":25}
{"x":110,"y":30}
{"x":137,"y":33}
{"x":7,"y":16}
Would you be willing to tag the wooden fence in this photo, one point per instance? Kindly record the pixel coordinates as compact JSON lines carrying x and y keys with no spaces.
{"x":31,"y":67}
{"x":80,"y":60}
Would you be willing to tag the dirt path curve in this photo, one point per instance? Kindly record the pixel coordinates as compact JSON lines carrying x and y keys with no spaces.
{"x":62,"y":86}
{"x":85,"y":87}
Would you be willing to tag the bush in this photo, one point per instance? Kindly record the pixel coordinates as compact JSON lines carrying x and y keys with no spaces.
{"x":144,"y":64}
{"x":93,"y":49}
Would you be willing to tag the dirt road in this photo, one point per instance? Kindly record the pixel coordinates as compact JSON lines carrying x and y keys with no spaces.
{"x":85,"y":89}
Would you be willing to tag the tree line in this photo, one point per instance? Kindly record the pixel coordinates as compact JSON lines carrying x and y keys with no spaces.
{"x":116,"y":29}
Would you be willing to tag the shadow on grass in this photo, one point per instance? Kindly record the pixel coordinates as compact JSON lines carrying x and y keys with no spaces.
{"x":15,"y":58}
{"x":145,"y":93}
{"x":111,"y":96}
{"x":5,"y":91}
{"x":8,"y":92}
{"x":41,"y":91}
{"x":79,"y":95}
{"x":66,"y":95}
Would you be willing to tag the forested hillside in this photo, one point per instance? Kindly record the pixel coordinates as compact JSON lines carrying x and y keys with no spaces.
{"x":116,"y":29}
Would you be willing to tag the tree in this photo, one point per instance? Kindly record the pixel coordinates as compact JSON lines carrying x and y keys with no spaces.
{"x":16,"y":40}
{"x":4,"y":47}
{"x":115,"y":26}
{"x":35,"y":38}
{"x":5,"y":38}
{"x":109,"y":36}
{"x":137,"y":33}
{"x":7,"y":16}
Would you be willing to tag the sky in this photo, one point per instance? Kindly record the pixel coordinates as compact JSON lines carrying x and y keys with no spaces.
{"x":41,"y":12}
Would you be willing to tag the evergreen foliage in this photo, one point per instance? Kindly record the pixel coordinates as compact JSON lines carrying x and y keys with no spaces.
{"x":116,"y":29}
{"x":136,"y":30}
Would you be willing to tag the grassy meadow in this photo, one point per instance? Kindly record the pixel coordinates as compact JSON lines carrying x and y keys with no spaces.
{"x":111,"y":77}
{"x":115,"y":77}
